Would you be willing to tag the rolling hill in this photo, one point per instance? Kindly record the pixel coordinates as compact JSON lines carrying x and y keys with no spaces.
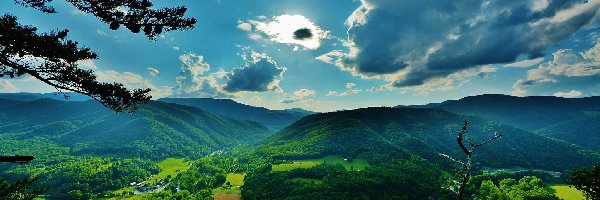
{"x":424,"y":132}
{"x":156,"y":130}
{"x":274,"y":119}
{"x":569,"y":119}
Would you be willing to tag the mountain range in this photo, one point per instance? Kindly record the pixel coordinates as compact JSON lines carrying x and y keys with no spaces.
{"x":274,"y":119}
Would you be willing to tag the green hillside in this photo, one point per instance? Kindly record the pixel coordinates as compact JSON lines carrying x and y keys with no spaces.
{"x":423,"y":132}
{"x":156,"y":130}
{"x":274,"y":119}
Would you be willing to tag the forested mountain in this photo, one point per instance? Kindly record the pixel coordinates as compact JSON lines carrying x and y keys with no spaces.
{"x":156,"y":130}
{"x":570,"y":119}
{"x":422,"y":132}
{"x":528,"y":113}
{"x":274,"y":119}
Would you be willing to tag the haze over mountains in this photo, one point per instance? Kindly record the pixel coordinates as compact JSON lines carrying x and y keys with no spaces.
{"x":568,"y":119}
{"x":274,"y":119}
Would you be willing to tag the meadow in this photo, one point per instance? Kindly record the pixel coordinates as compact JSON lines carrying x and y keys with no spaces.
{"x":169,"y":167}
{"x":350,"y":164}
{"x":236,"y":180}
{"x":567,"y":193}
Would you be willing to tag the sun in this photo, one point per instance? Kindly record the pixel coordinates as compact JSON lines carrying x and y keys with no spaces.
{"x":294,"y":29}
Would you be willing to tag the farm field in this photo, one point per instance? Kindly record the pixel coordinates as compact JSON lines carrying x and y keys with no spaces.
{"x":350,"y":165}
{"x":169,"y":166}
{"x":236,"y":180}
{"x":567,"y":193}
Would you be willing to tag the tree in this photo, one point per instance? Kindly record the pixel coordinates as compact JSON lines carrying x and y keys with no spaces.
{"x":587,"y":181}
{"x":468,"y":154}
{"x":52,"y":59}
{"x":19,"y":190}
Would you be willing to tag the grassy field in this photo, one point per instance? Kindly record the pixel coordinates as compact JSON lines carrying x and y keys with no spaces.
{"x":169,"y":166}
{"x":567,"y":193}
{"x":354,"y":164}
{"x":236,"y":180}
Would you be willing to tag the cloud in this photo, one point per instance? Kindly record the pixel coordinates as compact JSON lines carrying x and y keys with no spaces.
{"x":286,"y":29}
{"x":244,"y":26}
{"x":132,"y":81}
{"x":153,"y":71}
{"x":86,"y":64}
{"x":101,"y":32}
{"x":411,"y":42}
{"x":447,"y":83}
{"x":570,"y":94}
{"x":350,"y":90}
{"x":194,"y":82}
{"x":300,"y":96}
{"x":566,"y":65}
{"x":525,"y":63}
{"x":330,"y":57}
{"x":260,"y":74}
{"x":7,"y":86}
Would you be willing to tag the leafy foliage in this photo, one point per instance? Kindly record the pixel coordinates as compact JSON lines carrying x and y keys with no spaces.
{"x":51,"y":58}
{"x":134,"y":14}
{"x":20,"y":190}
{"x":587,"y":181}
{"x":529,"y":187}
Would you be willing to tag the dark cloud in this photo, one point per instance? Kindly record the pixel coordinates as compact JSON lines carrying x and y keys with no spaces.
{"x":260,"y":76}
{"x":303,"y":34}
{"x":421,"y":40}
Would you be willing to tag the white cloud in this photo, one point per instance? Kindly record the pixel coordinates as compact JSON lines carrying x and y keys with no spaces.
{"x":101,"y":32}
{"x":153,"y":71}
{"x":193,"y":82}
{"x":244,"y":26}
{"x":525,"y":63}
{"x":565,"y":64}
{"x":132,"y":81}
{"x":24,"y":83}
{"x":301,"y":96}
{"x":330,"y":57}
{"x":86,"y":64}
{"x":350,"y":90}
{"x":281,"y":29}
{"x":570,"y":94}
{"x":7,"y":86}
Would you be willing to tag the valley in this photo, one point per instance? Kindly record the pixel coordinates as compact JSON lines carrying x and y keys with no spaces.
{"x":172,"y":151}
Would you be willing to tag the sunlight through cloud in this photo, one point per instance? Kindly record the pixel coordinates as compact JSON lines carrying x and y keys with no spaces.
{"x":287,"y":29}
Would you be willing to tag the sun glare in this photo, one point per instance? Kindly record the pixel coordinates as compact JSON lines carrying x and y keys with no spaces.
{"x":283,"y":27}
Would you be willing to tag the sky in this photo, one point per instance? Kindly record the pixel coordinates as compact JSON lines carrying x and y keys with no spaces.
{"x":326,"y":55}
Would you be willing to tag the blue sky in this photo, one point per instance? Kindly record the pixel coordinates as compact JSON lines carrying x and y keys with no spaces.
{"x":361,"y":53}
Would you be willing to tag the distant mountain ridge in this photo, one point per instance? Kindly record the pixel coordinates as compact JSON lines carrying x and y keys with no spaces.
{"x":70,"y":96}
{"x":156,"y":130}
{"x":423,"y":132}
{"x":274,"y":119}
{"x":569,"y":119}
